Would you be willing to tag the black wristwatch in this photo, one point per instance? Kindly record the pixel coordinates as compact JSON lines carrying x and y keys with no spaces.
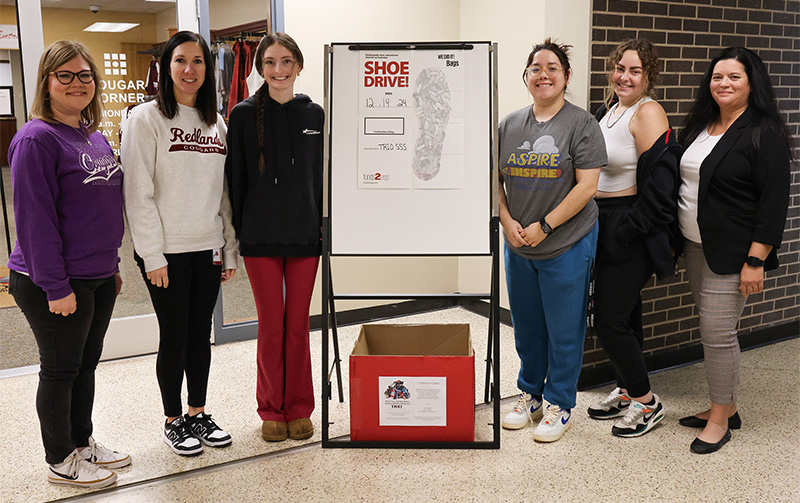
{"x":754,"y":261}
{"x":545,"y":227}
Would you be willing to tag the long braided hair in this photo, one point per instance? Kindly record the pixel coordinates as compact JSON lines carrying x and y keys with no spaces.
{"x":262,"y":94}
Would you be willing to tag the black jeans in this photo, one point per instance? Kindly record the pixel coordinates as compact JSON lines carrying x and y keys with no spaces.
{"x":69,"y":349}
{"x":620,"y":274}
{"x":184,"y":311}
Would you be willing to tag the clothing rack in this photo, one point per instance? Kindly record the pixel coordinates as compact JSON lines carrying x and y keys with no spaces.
{"x":241,"y":36}
{"x":155,"y":52}
{"x":254,"y":29}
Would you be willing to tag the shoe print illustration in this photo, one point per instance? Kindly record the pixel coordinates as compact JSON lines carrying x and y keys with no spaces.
{"x":432,"y":107}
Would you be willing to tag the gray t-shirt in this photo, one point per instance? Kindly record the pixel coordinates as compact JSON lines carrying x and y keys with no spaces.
{"x":538,"y":161}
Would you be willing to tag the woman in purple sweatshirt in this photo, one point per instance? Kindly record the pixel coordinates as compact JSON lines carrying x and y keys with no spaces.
{"x":64,"y":269}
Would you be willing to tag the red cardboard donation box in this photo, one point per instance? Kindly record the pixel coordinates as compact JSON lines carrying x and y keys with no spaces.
{"x":413,"y":382}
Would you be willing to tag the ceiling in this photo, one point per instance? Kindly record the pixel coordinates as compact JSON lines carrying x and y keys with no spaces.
{"x":140,"y":6}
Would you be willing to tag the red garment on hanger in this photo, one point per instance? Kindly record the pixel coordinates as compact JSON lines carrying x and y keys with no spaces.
{"x":152,"y":78}
{"x":244,"y":51}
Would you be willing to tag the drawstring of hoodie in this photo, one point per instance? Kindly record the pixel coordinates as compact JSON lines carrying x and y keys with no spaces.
{"x":262,"y":95}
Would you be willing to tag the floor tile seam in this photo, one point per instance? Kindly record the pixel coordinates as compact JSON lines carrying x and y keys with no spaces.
{"x":189,"y":474}
{"x":227,"y":465}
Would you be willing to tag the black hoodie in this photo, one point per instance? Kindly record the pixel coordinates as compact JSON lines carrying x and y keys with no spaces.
{"x":277,"y":212}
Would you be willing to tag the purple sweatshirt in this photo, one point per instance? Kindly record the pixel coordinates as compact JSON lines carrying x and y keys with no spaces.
{"x":67,"y":206}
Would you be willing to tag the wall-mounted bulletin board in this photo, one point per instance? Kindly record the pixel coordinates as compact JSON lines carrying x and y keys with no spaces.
{"x":410,"y":128}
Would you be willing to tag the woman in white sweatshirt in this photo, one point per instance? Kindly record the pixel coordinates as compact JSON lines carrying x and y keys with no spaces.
{"x":179,"y":216}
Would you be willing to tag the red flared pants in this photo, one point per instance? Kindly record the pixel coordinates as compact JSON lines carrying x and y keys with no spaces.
{"x":284,"y":390}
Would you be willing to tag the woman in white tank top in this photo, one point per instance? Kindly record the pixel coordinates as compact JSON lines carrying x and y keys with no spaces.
{"x":630,"y":127}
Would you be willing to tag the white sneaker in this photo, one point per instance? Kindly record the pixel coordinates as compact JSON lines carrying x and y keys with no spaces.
{"x":553,"y":425}
{"x":526,"y":410}
{"x":639,"y":419}
{"x":76,"y":471}
{"x":614,"y":405}
{"x":101,"y":455}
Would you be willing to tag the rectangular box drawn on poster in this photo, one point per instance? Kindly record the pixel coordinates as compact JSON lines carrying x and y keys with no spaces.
{"x":412,"y":382}
{"x":384,"y":125}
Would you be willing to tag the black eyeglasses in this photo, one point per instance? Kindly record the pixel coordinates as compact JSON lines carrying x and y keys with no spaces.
{"x":66,"y":77}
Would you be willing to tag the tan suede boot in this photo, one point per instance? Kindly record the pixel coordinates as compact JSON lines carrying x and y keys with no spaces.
{"x":300,"y":428}
{"x":273,"y":431}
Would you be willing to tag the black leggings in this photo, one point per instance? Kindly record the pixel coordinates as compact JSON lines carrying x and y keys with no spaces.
{"x":69,"y":349}
{"x":184,"y":311}
{"x":620,"y":274}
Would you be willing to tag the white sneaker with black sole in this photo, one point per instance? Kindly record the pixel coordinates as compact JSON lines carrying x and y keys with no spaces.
{"x":100,"y":455}
{"x":179,"y":438}
{"x":639,"y":419}
{"x":206,"y":430}
{"x":526,"y":410}
{"x":555,"y":422}
{"x":614,"y":405}
{"x":77,"y":472}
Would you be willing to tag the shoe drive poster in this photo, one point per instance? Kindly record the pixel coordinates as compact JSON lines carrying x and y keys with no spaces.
{"x":411,"y":128}
{"x":412,"y":401}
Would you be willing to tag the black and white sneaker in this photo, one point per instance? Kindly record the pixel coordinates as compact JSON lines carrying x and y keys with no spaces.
{"x":179,"y":438}
{"x":206,"y":430}
{"x":639,"y":419}
{"x":614,"y":405}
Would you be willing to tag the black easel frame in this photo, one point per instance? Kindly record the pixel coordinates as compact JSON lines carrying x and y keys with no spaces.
{"x":492,"y":389}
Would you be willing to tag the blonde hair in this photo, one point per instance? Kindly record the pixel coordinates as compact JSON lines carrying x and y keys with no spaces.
{"x":57,"y":54}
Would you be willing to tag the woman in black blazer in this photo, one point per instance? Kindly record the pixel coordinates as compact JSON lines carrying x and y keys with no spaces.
{"x":732,"y":207}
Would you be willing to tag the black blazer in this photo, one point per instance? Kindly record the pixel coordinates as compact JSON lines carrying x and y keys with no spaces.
{"x":743,"y":195}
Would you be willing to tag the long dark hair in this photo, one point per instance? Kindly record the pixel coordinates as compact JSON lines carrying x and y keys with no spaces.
{"x":761,"y":101}
{"x":206,"y":102}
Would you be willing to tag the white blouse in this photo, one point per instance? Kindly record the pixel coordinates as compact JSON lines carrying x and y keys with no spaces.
{"x":692,"y":158}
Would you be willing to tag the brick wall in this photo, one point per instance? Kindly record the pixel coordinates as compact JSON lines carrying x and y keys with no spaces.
{"x":688,"y":34}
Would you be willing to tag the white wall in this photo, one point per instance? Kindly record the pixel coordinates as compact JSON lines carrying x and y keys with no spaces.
{"x":314,"y":23}
{"x":516,"y":25}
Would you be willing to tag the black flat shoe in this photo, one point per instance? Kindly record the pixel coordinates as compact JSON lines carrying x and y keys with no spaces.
{"x":734,"y":422}
{"x":700,"y":447}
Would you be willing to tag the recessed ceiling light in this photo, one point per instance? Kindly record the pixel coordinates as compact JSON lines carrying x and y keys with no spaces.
{"x":111,"y":27}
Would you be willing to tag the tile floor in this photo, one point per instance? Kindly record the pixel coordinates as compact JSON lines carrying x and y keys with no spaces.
{"x":761,"y":464}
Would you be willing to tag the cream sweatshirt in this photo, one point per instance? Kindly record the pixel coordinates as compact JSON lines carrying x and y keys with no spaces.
{"x":176,"y":198}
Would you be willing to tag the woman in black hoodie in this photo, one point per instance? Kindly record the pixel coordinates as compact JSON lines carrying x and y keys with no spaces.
{"x":274,"y":170}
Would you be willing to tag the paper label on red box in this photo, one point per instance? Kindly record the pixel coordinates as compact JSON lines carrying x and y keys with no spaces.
{"x":412,"y":401}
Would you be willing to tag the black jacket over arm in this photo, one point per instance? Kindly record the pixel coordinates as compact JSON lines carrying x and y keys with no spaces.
{"x":653,"y":215}
{"x":743,"y":195}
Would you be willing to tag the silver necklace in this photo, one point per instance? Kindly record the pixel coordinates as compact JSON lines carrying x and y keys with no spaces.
{"x":609,"y":124}
{"x":83,"y":133}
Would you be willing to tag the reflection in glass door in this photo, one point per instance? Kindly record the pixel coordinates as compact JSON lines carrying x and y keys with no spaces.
{"x":17,"y":348}
{"x":124,"y":38}
{"x":235,"y":27}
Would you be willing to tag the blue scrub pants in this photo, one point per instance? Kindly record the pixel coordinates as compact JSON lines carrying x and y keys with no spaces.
{"x":548,"y":301}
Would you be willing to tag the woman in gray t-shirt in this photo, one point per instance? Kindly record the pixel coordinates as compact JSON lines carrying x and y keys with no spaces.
{"x":550,"y":159}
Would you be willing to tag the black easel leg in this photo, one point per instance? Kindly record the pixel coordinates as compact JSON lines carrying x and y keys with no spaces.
{"x":337,"y":361}
{"x":488,"y":383}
